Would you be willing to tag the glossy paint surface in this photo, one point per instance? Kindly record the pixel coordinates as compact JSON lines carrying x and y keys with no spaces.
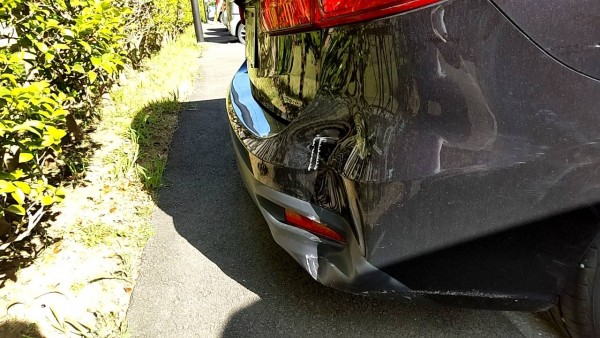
{"x":568,"y":30}
{"x":440,"y":134}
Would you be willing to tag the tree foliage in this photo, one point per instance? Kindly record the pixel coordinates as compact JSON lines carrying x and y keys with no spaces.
{"x":57,"y":58}
{"x":152,"y":23}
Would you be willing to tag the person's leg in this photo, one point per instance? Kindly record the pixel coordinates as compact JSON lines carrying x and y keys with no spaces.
{"x":218,"y":11}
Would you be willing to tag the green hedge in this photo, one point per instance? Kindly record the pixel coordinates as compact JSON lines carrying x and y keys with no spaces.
{"x":56,"y":60}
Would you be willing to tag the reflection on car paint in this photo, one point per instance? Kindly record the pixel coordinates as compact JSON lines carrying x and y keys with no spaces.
{"x":320,"y":147}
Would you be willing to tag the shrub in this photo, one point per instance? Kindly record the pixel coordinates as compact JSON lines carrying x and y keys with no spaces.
{"x":58,"y":58}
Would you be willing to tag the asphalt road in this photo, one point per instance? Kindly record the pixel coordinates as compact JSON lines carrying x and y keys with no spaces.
{"x":213,"y":270}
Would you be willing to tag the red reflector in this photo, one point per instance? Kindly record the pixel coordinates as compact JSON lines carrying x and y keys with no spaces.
{"x":298,"y":15}
{"x":309,"y":225}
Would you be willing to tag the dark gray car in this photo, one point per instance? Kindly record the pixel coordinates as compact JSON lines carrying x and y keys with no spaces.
{"x":440,"y":149}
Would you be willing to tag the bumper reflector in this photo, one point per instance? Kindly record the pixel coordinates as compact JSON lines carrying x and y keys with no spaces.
{"x":305,"y":223}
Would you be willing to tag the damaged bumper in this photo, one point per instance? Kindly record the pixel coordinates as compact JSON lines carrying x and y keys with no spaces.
{"x":337,"y":265}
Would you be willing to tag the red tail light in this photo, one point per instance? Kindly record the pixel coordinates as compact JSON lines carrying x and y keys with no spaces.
{"x":286,"y":14}
{"x":281,"y":16}
{"x":302,"y":222}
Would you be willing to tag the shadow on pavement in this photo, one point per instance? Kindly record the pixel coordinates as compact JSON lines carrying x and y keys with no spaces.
{"x":211,"y":209}
{"x":19,"y":329}
{"x":217,"y":33}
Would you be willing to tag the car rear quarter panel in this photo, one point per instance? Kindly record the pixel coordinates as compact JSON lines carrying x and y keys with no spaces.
{"x":568,"y":30}
{"x":450,"y":127}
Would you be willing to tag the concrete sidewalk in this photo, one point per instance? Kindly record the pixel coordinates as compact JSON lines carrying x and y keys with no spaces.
{"x":180,"y":291}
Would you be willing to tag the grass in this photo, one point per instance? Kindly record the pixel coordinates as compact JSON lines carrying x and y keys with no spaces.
{"x":104,"y":222}
{"x":144,"y":112}
{"x":93,"y":234}
{"x":148,"y":130}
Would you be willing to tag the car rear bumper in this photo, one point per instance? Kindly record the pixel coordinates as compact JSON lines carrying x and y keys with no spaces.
{"x":340,"y":266}
{"x":274,"y":187}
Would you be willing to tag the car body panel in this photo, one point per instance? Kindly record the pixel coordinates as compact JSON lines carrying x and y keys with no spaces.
{"x":441,"y":133}
{"x":568,"y":30}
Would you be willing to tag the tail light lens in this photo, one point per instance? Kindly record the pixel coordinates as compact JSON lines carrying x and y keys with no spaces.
{"x":283,"y":16}
{"x":279,"y":15}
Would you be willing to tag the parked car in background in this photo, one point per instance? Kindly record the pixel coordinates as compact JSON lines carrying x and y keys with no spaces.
{"x":234,"y":23}
{"x":439,"y":149}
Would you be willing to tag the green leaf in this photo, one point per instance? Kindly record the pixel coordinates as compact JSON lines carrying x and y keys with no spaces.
{"x":19,"y":196}
{"x":52,"y":23}
{"x":17,"y":174}
{"x":86,"y":46}
{"x":78,"y":68}
{"x":108,"y":67}
{"x":93,"y":76}
{"x":60,"y":192}
{"x":56,"y":133}
{"x":96,"y":61}
{"x":60,"y":46}
{"x":9,"y":77}
{"x":42,"y":47}
{"x":25,"y":157}
{"x":47,"y":200}
{"x":23,"y":186}
{"x":6,"y":187}
{"x":26,"y":127}
{"x":16,"y":209}
{"x":35,"y":124}
{"x":47,"y":141}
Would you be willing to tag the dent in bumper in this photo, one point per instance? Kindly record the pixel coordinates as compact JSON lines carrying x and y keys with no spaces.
{"x":340,"y":266}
